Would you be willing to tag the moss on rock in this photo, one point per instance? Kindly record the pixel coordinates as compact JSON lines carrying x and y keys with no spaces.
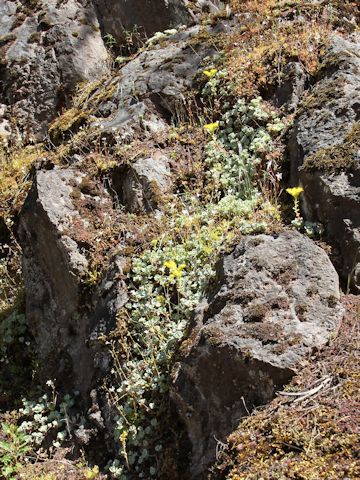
{"x":343,"y":156}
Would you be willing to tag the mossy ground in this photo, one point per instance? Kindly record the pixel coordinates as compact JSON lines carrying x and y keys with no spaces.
{"x":310,"y":439}
{"x":59,"y":468}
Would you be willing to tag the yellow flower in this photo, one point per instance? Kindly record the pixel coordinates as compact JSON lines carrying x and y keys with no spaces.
{"x":210,"y":73}
{"x":175,"y":271}
{"x":211,"y":127}
{"x":295,"y":191}
{"x":92,"y":473}
{"x":170,"y":264}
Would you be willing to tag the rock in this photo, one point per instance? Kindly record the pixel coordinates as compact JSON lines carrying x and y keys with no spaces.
{"x":139,"y":19}
{"x":292,"y":88}
{"x":334,"y":200}
{"x":7,"y":12}
{"x":142,"y":185}
{"x":5,"y":129}
{"x":55,"y":234}
{"x":276,"y":298}
{"x":324,"y":152}
{"x":150,"y":89}
{"x":53,"y":48}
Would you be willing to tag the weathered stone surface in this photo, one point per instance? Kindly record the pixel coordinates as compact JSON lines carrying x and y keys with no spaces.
{"x":327,"y":118}
{"x":275,"y":299}
{"x":150,"y":89}
{"x":52,"y":49}
{"x":332,"y":108}
{"x":140,"y":18}
{"x":334,"y":200}
{"x":141,"y":185}
{"x":7,"y":12}
{"x":54,"y":231}
{"x":290,"y":91}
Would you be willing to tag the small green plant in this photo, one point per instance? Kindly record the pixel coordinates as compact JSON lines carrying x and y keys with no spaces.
{"x":241,"y":143}
{"x":92,"y":473}
{"x":14,"y":445}
{"x":160,"y":36}
{"x":110,"y":41}
{"x":47,"y":417}
{"x":13,"y":329}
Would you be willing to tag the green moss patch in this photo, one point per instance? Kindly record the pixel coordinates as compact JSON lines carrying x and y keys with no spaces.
{"x":337,"y":157}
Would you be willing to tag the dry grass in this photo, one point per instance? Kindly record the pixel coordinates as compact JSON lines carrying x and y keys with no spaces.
{"x":276,"y":32}
{"x":59,"y":468}
{"x":15,"y":166}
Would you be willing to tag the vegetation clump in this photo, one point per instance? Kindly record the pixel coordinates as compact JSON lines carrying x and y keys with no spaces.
{"x":167,"y":281}
{"x":275,"y":33}
{"x":15,"y":165}
{"x":173,"y":259}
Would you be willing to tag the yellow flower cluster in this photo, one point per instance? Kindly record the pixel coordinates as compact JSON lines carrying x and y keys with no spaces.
{"x":175,"y":271}
{"x":211,"y":127}
{"x":295,"y":191}
{"x":210,"y":73}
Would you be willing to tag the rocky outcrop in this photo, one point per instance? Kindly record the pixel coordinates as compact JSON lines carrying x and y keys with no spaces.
{"x":136,"y":20}
{"x":324,"y":152}
{"x":276,"y":298}
{"x":47,"y":49}
{"x":62,"y":219}
{"x":149,"y":92}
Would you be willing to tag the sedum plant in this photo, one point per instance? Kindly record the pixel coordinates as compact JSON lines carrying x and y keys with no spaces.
{"x":245,"y":136}
{"x":167,"y":281}
{"x":47,"y":417}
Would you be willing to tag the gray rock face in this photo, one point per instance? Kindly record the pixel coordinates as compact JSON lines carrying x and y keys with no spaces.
{"x":140,"y":18}
{"x":333,"y":106}
{"x":275,"y":299}
{"x":329,"y":116}
{"x":51,"y":51}
{"x":150,"y":89}
{"x":53,"y":232}
{"x":48,"y":50}
{"x":7,"y":12}
{"x":141,"y":185}
{"x":289,"y":93}
{"x":334,"y":200}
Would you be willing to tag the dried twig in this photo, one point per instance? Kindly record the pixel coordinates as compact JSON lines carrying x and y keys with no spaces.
{"x":220,"y":447}
{"x":299,"y":396}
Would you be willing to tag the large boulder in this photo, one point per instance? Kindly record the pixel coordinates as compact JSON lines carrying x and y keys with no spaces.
{"x":275,"y":299}
{"x":47,"y":49}
{"x":63,"y":216}
{"x":324,"y":151}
